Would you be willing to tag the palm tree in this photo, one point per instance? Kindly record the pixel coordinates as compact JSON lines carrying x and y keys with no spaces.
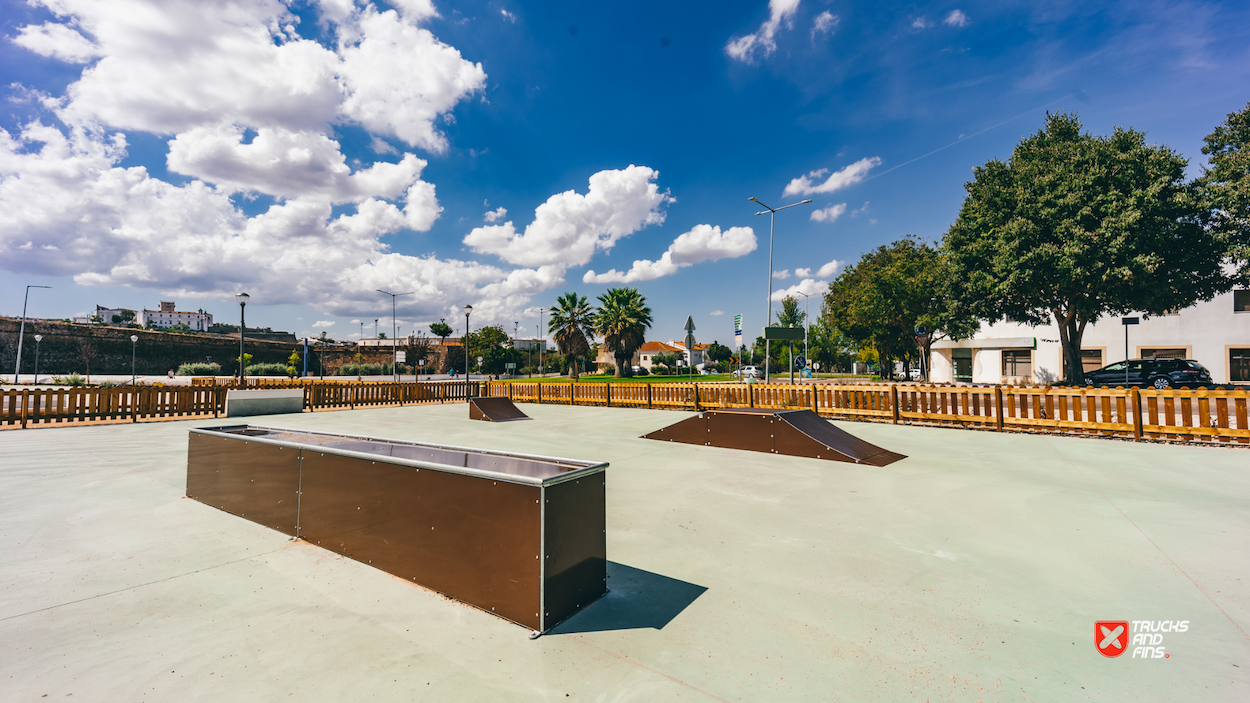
{"x":571,"y":323}
{"x":622,"y":321}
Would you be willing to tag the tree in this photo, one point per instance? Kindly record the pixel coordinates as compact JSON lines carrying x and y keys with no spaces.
{"x":381,"y":335}
{"x":88,"y":351}
{"x":717,"y":352}
{"x":441,"y":329}
{"x":1225,"y":188}
{"x":890,"y":291}
{"x":572,"y":324}
{"x":622,"y":321}
{"x":494,"y":346}
{"x":1074,"y":227}
{"x":292,"y":363}
{"x":666,"y":359}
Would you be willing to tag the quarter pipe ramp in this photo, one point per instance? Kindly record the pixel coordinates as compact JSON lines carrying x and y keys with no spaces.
{"x":495,"y":410}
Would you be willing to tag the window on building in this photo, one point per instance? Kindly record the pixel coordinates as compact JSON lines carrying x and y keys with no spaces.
{"x":1239,"y":365}
{"x":1241,"y":301}
{"x":1017,"y":362}
{"x":1163,"y":354}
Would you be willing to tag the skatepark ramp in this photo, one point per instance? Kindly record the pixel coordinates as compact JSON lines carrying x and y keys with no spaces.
{"x":494,"y":410}
{"x":791,"y":432}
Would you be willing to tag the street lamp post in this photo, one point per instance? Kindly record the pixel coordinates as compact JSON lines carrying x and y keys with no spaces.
{"x":465,"y":341}
{"x":21,"y":331}
{"x":38,"y":339}
{"x":394,"y":329}
{"x":134,"y":345}
{"x":769,"y":319}
{"x":242,"y":298}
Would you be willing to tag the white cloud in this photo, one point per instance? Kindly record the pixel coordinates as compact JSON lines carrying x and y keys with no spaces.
{"x":570,"y":227}
{"x":825,"y":271}
{"x":320,"y":323}
{"x":829,"y":214}
{"x":919,"y":23}
{"x":809,"y":286}
{"x":956,"y":18}
{"x":508,"y":16}
{"x":701,"y":243}
{"x":763,"y":40}
{"x":781,"y":275}
{"x":57,"y":41}
{"x":497,"y":214}
{"x":285,"y":163}
{"x":717,"y":313}
{"x":825,"y":23}
{"x":860,"y":210}
{"x":118,"y":226}
{"x":806,"y":185}
{"x":381,"y":146}
{"x":436,"y":78}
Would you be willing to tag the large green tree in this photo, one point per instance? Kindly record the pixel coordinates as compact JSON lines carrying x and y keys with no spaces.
{"x":1076,"y":226}
{"x":881,"y":300}
{"x":1225,"y":186}
{"x":622,"y":320}
{"x":572,"y":325}
{"x":494,"y":346}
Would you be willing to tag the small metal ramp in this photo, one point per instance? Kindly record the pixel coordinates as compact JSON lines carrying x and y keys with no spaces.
{"x":495,"y":410}
{"x":791,"y":432}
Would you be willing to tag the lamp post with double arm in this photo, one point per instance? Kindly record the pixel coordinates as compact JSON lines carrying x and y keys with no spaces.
{"x":465,"y":341}
{"x":769,"y":319}
{"x":394,"y":329}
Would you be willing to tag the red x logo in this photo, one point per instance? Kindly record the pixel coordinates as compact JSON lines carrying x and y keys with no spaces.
{"x":1111,"y":637}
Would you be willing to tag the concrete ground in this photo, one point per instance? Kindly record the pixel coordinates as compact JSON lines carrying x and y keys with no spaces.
{"x":974,"y":570}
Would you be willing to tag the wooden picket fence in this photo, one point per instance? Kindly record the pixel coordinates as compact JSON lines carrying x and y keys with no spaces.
{"x":1182,"y":414}
{"x":77,"y":406}
{"x":1174,"y":414}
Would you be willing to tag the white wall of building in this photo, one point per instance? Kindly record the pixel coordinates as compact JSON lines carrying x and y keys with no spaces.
{"x":1206,"y":332}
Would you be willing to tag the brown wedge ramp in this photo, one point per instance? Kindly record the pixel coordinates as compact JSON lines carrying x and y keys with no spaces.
{"x":495,"y":410}
{"x":789,"y":432}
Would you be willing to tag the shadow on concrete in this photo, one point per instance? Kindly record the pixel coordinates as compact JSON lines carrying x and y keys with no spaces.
{"x":636,"y":599}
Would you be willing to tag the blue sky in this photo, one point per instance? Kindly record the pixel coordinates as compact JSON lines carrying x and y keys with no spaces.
{"x":311,"y":152}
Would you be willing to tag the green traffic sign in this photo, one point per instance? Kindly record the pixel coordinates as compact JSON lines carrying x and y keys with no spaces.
{"x":792,"y":334}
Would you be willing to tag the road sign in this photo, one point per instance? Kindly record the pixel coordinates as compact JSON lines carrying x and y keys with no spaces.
{"x":792,"y":334}
{"x":689,"y":324}
{"x":738,"y":324}
{"x":690,"y":343}
{"x":800,"y":361}
{"x":510,"y":365}
{"x":401,"y":357}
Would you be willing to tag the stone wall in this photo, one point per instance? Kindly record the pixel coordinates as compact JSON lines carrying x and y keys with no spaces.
{"x":77,"y":348}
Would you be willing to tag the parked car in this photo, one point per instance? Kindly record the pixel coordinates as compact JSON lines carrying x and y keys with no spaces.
{"x":749,"y":372}
{"x":1157,"y":373}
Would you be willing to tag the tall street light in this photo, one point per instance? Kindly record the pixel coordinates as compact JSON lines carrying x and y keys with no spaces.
{"x":394,"y":329}
{"x":769,"y":319}
{"x":38,"y":339}
{"x":18,"y":369}
{"x":465,"y":341}
{"x":242,"y":298}
{"x":540,"y":343}
{"x":134,"y":344}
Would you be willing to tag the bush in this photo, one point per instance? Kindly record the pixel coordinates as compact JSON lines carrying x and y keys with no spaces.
{"x":200,"y":368}
{"x":266,"y":370}
{"x":71,"y":380}
{"x":360,"y":370}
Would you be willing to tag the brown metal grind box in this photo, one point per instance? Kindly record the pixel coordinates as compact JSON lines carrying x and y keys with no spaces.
{"x":517,"y":535}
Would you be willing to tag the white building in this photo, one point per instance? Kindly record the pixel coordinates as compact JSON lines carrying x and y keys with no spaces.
{"x":167,"y":317}
{"x":1214,"y":333}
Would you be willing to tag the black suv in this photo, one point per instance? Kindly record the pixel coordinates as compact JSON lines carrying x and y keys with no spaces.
{"x":1158,"y":373}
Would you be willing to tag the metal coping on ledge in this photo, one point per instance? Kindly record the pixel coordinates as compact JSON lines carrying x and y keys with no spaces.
{"x":586,"y":468}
